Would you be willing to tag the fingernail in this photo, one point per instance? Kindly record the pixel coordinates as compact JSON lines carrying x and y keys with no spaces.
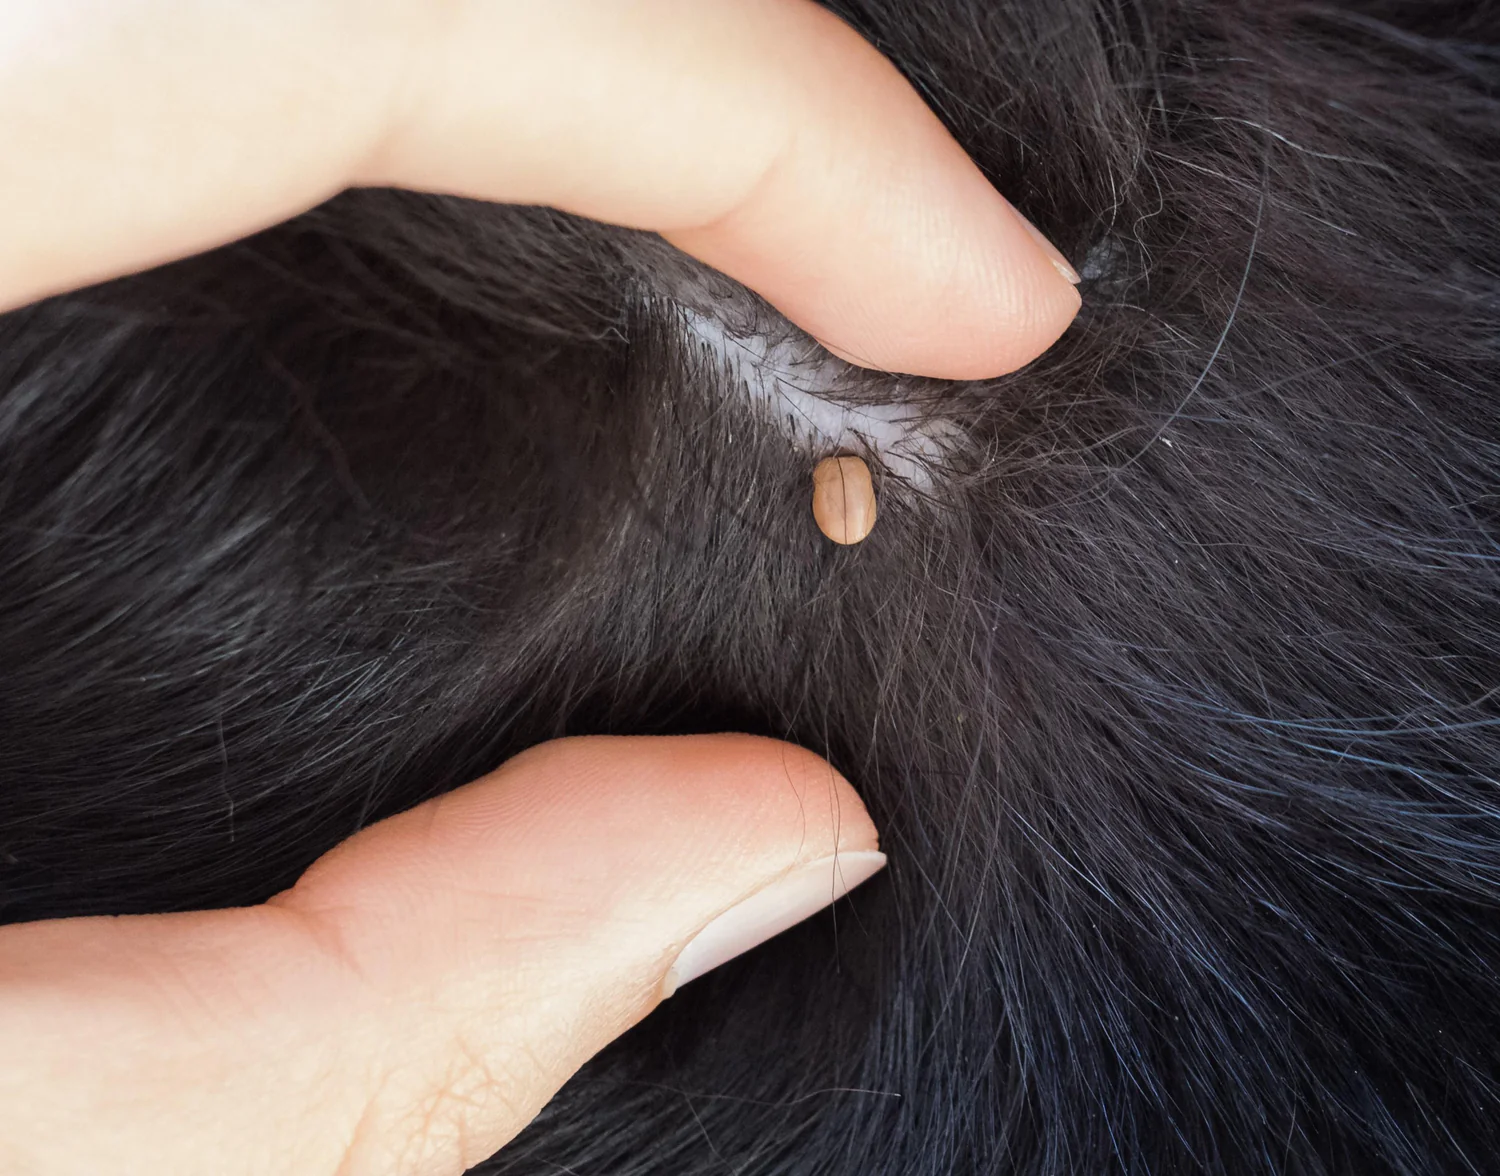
{"x":769,"y":912}
{"x":1054,"y":254}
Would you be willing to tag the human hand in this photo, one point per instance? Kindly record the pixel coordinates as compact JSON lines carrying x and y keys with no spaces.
{"x":428,"y":985}
{"x":763,"y":136}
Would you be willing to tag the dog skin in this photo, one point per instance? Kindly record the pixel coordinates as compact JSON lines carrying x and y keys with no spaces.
{"x":1168,"y":674}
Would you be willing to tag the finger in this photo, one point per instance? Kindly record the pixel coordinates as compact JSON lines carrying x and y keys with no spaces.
{"x":764,"y":136}
{"x":428,"y":985}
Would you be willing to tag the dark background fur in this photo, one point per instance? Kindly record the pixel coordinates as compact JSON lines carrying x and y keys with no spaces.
{"x":1175,"y":699}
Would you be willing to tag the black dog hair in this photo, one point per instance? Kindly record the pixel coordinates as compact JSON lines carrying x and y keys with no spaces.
{"x":1175,"y":690}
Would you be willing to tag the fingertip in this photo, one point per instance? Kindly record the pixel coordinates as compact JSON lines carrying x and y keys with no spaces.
{"x":966,"y":287}
{"x":971,"y":334}
{"x":874,"y":231}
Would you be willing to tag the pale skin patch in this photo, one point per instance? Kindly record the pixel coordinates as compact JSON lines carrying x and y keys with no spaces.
{"x":843,"y":499}
{"x":797,"y":384}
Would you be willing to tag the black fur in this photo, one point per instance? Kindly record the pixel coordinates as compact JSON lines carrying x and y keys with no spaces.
{"x":1176,"y":697}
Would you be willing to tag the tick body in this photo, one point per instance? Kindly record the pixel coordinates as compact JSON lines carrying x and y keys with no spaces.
{"x":843,"y":499}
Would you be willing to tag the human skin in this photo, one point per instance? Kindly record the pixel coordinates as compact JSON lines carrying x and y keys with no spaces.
{"x":412,"y":1002}
{"x":763,"y":136}
{"x":425,"y":988}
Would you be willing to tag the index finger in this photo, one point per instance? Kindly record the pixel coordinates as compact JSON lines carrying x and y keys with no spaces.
{"x":764,"y":136}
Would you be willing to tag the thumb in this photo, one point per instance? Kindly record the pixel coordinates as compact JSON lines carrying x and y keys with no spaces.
{"x":428,"y":985}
